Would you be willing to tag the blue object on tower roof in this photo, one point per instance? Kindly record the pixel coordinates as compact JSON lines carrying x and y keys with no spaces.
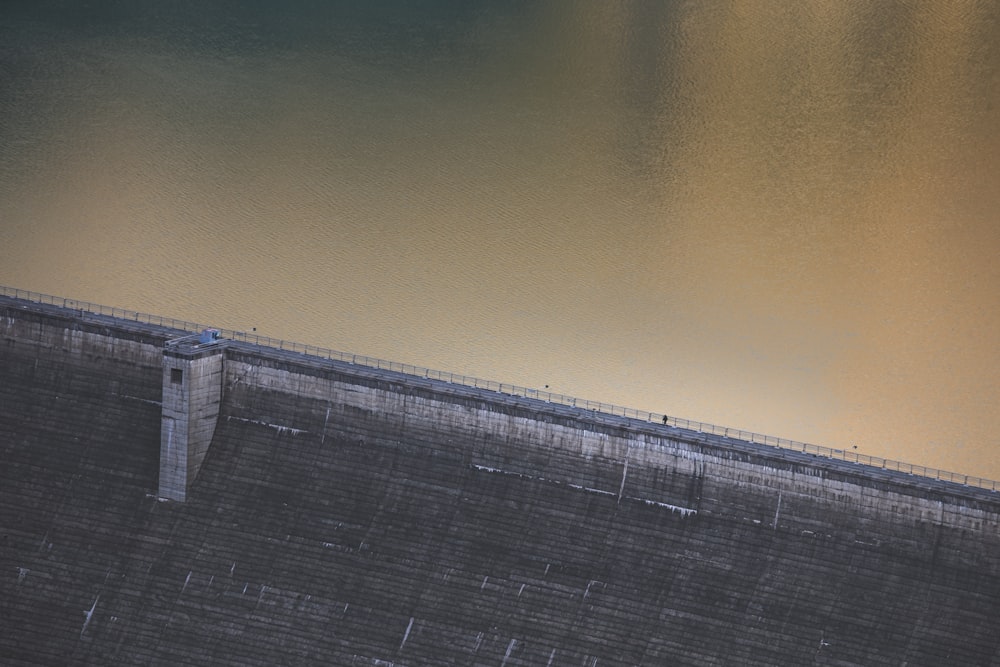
{"x":208,"y":336}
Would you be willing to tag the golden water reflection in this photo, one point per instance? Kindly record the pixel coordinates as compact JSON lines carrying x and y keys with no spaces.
{"x":780,"y":217}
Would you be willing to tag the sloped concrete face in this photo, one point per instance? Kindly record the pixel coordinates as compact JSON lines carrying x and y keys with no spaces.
{"x":192,"y":389}
{"x":498,"y":531}
{"x":350,"y":516}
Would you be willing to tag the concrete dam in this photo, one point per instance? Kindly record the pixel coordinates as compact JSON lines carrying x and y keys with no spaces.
{"x":169,"y":497}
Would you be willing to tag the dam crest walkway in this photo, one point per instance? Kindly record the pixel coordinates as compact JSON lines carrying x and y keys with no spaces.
{"x":600,"y":408}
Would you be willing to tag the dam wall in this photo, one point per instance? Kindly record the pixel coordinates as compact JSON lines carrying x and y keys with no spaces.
{"x":53,"y":336}
{"x":628,"y":459}
{"x":354,"y":516}
{"x":79,"y":432}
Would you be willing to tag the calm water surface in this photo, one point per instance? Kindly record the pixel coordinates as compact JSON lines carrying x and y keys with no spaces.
{"x":775,"y":216}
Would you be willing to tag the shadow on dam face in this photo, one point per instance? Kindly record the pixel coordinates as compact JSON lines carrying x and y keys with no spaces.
{"x":328,"y":513}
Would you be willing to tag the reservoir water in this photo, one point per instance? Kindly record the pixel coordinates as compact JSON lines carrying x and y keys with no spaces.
{"x":776,"y":216}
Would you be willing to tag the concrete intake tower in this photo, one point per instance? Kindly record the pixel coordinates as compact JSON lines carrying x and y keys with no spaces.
{"x":170,"y":496}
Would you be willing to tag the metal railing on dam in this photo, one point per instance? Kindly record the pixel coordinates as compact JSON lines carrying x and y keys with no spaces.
{"x":514,"y":390}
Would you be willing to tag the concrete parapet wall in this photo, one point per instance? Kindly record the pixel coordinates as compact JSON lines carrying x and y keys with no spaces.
{"x":685,"y":471}
{"x":87,"y":339}
{"x":61,"y":342}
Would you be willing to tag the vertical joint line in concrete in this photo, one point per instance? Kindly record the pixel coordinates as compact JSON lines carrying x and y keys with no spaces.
{"x":322,"y":438}
{"x":402,"y":423}
{"x":777,"y":510}
{"x":88,"y":614}
{"x":406,"y":634}
{"x":510,"y":649}
{"x":621,"y":489}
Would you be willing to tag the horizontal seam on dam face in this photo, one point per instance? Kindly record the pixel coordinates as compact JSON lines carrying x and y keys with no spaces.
{"x":683,"y":511}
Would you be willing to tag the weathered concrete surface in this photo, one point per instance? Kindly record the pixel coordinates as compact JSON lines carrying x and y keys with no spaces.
{"x":192,"y":393}
{"x":79,"y":429}
{"x":345,"y":516}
